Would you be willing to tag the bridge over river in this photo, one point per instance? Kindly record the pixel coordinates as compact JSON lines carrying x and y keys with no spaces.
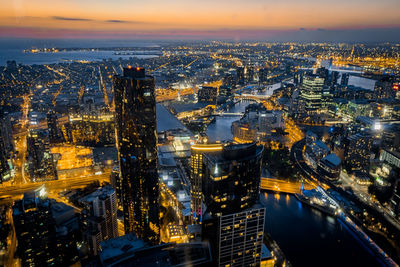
{"x":283,"y":186}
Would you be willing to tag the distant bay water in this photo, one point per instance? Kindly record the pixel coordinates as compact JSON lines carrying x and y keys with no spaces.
{"x":13,"y":49}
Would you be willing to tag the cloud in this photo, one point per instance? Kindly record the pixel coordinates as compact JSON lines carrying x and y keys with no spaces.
{"x":126,"y":21}
{"x":87,"y":19}
{"x":70,"y":19}
{"x":116,"y":21}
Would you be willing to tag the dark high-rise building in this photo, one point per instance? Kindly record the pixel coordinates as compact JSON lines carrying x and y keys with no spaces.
{"x":298,"y":77}
{"x":231,"y":179}
{"x":263,"y":75}
{"x":233,"y":221}
{"x":323,"y":73}
{"x":240,"y":75}
{"x":54,"y":134}
{"x":135,"y":109}
{"x":334,"y":78}
{"x":6,"y":148}
{"x":44,"y":237}
{"x":344,"y":80}
{"x":249,"y":74}
{"x":4,"y":167}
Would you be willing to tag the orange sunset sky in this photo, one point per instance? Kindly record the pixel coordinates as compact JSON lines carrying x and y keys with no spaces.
{"x":206,"y":18}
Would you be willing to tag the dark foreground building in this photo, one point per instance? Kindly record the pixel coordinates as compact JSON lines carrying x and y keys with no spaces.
{"x":233,"y":222}
{"x":47,"y":231}
{"x":135,"y":109}
{"x":127,"y":250}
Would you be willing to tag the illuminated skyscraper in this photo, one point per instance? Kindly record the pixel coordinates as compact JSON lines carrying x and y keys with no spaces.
{"x":196,"y":176}
{"x":135,"y":108}
{"x":311,"y":92}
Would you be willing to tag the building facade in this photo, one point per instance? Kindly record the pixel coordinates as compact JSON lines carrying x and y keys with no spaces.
{"x":196,"y":176}
{"x":100,"y":217}
{"x":311,"y":93}
{"x":135,"y":109}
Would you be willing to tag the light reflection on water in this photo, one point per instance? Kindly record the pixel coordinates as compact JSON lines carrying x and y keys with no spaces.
{"x":300,"y":230}
{"x":220,"y":129}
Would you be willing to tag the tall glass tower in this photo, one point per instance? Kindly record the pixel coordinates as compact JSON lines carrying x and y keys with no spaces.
{"x":233,"y":222}
{"x":311,"y":93}
{"x":135,"y":109}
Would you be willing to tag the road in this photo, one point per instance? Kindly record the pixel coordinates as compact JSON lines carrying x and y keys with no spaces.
{"x":283,"y":186}
{"x":62,"y":184}
{"x":21,"y":143}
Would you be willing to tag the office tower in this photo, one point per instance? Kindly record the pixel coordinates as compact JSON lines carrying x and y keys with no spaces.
{"x":326,"y":98}
{"x":196,"y":176}
{"x":263,"y":75}
{"x":99,"y":217}
{"x":135,"y":109}
{"x":233,"y":222}
{"x":52,"y":126}
{"x":249,"y":74}
{"x":207,"y":94}
{"x":93,"y":128}
{"x":358,"y":151}
{"x":41,"y":161}
{"x":240,"y":75}
{"x":311,"y":93}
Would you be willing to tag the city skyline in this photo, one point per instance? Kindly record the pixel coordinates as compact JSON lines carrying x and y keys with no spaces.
{"x":360,"y":20}
{"x":200,"y":133}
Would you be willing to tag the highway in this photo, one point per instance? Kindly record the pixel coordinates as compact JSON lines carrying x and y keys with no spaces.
{"x":21,"y":143}
{"x":55,"y":185}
